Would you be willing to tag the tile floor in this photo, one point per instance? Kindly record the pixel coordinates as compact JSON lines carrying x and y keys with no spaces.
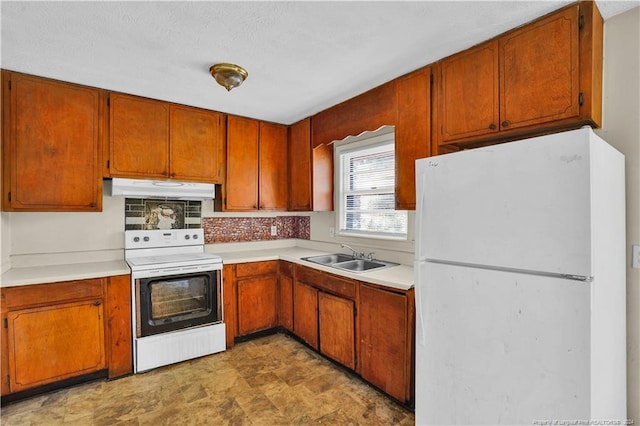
{"x":272,"y":380}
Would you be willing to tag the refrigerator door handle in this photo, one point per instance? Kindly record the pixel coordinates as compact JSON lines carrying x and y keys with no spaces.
{"x":420,"y":207}
{"x":582,"y":278}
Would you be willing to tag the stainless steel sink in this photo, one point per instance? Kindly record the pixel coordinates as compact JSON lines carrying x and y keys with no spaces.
{"x":348,"y":263}
{"x":361,"y":265}
{"x":329,"y":259}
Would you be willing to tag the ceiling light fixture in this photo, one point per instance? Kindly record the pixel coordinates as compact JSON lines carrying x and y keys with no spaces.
{"x":228,"y":75}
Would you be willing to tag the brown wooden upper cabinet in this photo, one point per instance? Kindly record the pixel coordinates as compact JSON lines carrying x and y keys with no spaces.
{"x":412,"y":134}
{"x":196,"y":144}
{"x":155,"y":139}
{"x":311,"y":174}
{"x":273,"y":191}
{"x":256,"y":166}
{"x":368,"y":111}
{"x":544,"y":76}
{"x":300,"y":191}
{"x":51,"y":154}
{"x":468,"y":93}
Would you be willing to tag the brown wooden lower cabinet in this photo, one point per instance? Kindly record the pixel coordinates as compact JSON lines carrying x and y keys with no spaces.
{"x":229,"y":303}
{"x":324,"y":313}
{"x":257,"y":306}
{"x":250,"y":297}
{"x":336,"y":328}
{"x":386,"y":339}
{"x":305,"y":313}
{"x":119,"y":333}
{"x":285,"y":295}
{"x":53,"y":343}
{"x":365,"y":327}
{"x":59,"y":331}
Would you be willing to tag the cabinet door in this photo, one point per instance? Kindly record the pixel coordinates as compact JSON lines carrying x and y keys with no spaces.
{"x":305,"y":313}
{"x":196,"y":144}
{"x":56,"y":342}
{"x":468,"y":93}
{"x":413,"y":133}
{"x":273,"y":193}
{"x":257,"y":304}
{"x":384,"y":340}
{"x":337,"y":328}
{"x":322,"y":160}
{"x":139,"y":137}
{"x":241,"y":186}
{"x":51,"y":154}
{"x":300,"y":166}
{"x":539,"y":71}
{"x":285,"y":305}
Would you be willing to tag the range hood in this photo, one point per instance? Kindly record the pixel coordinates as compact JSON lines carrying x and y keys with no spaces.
{"x":145,"y":188}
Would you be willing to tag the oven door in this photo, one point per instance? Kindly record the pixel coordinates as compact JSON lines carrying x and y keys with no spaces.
{"x":176,"y":302}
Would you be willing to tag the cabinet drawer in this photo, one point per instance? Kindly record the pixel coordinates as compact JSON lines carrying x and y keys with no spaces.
{"x":329,"y":282}
{"x":40,"y":294}
{"x":256,"y":268}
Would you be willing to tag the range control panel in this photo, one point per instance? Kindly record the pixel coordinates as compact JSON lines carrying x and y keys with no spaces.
{"x":158,"y":238}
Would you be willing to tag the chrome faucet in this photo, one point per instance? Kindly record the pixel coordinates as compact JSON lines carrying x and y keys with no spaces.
{"x":359,"y":255}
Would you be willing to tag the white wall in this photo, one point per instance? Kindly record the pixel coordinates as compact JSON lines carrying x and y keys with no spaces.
{"x":50,"y":238}
{"x":621,"y":128}
{"x":394,"y":251}
{"x":5,"y":242}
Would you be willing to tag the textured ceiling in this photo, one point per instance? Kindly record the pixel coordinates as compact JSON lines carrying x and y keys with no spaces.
{"x":302,"y":57}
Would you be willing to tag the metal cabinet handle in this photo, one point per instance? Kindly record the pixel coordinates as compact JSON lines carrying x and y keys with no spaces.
{"x":492,"y":126}
{"x":505,"y":123}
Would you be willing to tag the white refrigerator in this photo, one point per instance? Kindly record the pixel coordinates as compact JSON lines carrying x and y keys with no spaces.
{"x":520,"y":283}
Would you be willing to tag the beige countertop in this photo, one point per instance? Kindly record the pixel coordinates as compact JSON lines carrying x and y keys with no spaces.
{"x":400,"y":277}
{"x":66,"y":272}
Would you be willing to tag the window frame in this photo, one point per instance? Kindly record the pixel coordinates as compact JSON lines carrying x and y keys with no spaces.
{"x":367,"y":140}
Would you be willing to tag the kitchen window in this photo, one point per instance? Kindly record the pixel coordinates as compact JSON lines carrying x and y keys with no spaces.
{"x":365,"y":182}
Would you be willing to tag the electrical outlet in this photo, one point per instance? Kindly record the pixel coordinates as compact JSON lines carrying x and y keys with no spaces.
{"x":635,"y":257}
{"x":332,"y":232}
{"x":274,"y":230}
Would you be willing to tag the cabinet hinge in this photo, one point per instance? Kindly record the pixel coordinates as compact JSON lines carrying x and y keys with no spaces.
{"x":581,"y":22}
{"x":108,"y":163}
{"x":431,"y":78}
{"x":580,"y":98}
{"x":9,"y":84}
{"x":355,"y":311}
{"x":9,"y":195}
{"x":6,"y":323}
{"x":108,"y":101}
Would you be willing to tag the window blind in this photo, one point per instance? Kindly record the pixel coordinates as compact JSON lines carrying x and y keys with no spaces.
{"x":368,"y":193}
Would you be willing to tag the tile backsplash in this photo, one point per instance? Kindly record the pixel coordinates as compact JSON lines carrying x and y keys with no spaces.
{"x":161,"y":214}
{"x":243,"y":229}
{"x":175,"y":214}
